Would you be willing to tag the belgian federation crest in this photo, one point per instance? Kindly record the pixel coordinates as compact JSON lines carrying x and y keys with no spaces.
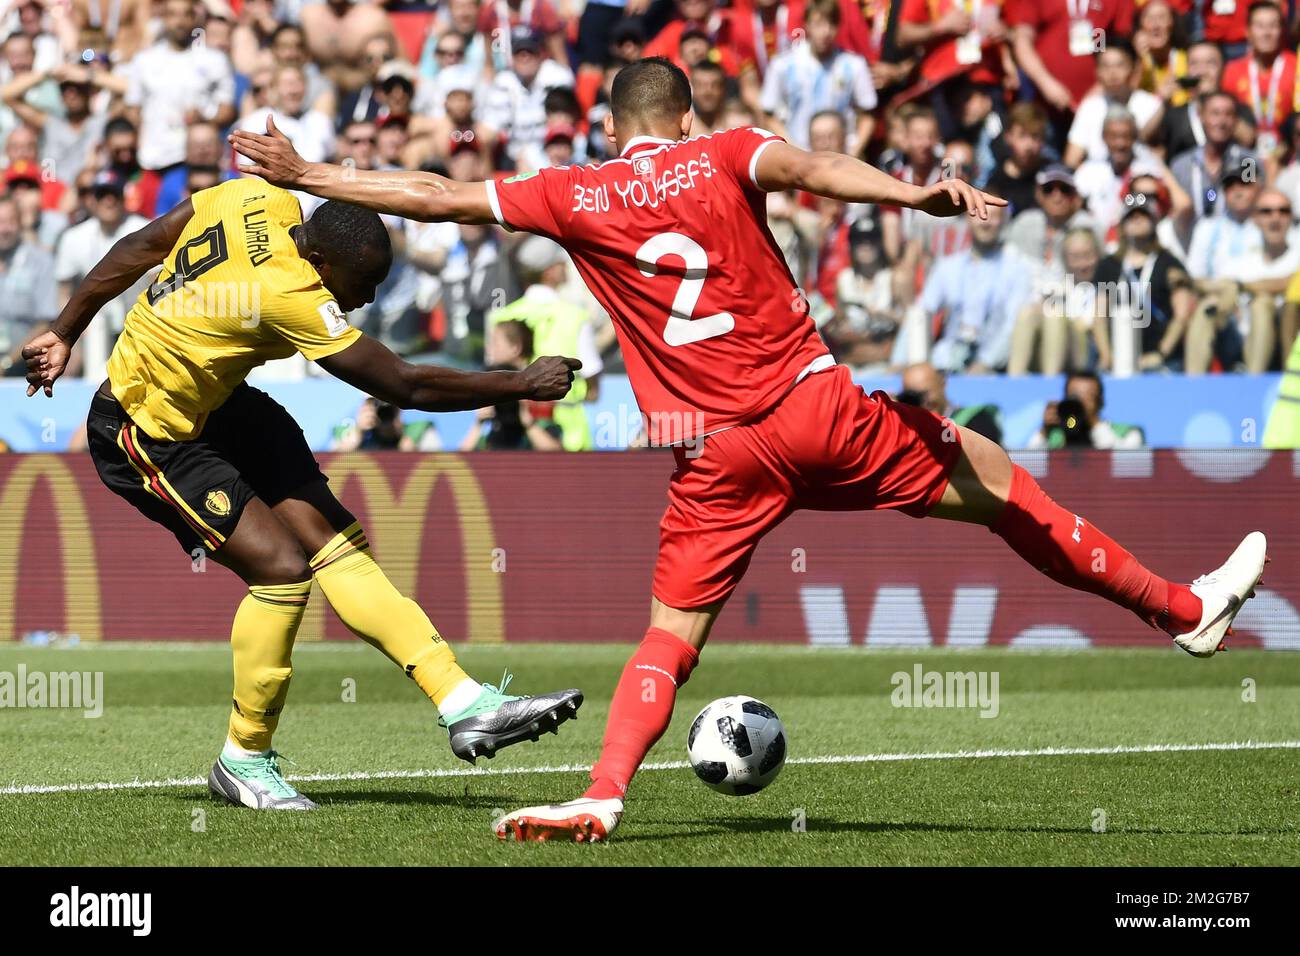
{"x":218,"y":502}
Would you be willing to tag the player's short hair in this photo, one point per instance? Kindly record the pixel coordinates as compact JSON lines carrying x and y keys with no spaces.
{"x":1029,"y":116}
{"x":652,"y":88}
{"x":350,"y":236}
{"x":828,"y":10}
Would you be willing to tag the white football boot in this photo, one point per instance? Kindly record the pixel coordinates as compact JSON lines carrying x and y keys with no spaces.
{"x":579,"y":821}
{"x":1223,"y":592}
{"x":255,"y":782}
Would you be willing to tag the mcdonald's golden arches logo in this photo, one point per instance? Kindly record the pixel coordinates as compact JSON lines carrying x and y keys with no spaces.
{"x":395,"y":529}
{"x":82,"y":615}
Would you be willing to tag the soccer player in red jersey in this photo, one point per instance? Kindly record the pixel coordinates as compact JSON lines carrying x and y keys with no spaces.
{"x":728,"y":369}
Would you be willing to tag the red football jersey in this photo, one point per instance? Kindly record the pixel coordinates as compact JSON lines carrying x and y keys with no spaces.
{"x":672,"y":239}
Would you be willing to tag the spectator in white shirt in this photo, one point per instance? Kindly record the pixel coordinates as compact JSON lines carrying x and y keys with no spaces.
{"x":1116,"y":73}
{"x":516,"y":102}
{"x":311,"y":133}
{"x":1217,"y":242}
{"x":174,"y":83}
{"x":1101,"y":182}
{"x":1264,"y":275}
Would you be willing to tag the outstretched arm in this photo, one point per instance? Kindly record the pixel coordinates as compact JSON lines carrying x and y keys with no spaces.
{"x":370,"y":366}
{"x":837,"y":176}
{"x":130,"y":258}
{"x":427,"y":197}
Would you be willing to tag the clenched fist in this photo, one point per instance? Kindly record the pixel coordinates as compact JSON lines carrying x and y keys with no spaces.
{"x":46,"y":357}
{"x":550,"y":377}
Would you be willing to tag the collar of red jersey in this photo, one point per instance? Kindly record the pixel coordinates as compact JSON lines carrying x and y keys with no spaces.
{"x":637,"y":142}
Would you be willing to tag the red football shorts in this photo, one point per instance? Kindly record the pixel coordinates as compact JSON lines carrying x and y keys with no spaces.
{"x":826,"y":446}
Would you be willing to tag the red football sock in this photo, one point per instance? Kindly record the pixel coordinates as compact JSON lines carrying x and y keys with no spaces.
{"x":642,"y":708}
{"x":1073,"y":552}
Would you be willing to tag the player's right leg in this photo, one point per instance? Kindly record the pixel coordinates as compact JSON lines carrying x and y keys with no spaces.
{"x":639,"y":714}
{"x":721,"y":503}
{"x":200,"y":497}
{"x":480,"y":719}
{"x":260,"y":436}
{"x":986,"y":488}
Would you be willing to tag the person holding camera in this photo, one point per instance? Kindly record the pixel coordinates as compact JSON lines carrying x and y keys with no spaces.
{"x":1075,"y":421}
{"x":378,"y":427}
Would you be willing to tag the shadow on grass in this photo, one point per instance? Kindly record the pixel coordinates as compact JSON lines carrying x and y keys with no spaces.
{"x":342,"y":798}
{"x":717,"y":826}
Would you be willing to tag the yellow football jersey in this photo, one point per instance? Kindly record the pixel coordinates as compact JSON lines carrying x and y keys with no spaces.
{"x":233,"y":294}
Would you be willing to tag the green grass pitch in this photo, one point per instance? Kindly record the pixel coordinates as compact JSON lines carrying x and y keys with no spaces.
{"x":409,"y":801}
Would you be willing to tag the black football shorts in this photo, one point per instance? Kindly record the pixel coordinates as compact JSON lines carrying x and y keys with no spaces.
{"x":197,"y":489}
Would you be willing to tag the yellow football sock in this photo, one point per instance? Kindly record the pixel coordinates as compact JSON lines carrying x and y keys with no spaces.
{"x":366,"y":601}
{"x":262,"y":641}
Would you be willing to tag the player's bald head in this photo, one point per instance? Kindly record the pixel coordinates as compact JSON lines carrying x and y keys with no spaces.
{"x":350,"y":248}
{"x":345,"y":233}
{"x":649,"y":94}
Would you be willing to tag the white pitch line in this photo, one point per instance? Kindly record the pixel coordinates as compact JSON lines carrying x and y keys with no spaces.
{"x":24,"y":789}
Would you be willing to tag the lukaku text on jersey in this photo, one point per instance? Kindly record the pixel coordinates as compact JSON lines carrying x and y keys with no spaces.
{"x":233,"y":293}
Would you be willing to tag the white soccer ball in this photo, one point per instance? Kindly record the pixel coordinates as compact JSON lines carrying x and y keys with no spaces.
{"x":736,"y":745}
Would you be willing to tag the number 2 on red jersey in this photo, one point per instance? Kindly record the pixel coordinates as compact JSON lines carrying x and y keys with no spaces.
{"x":681,"y":328}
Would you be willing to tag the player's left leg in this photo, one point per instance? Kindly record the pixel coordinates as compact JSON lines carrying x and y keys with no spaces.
{"x":986,"y":488}
{"x":480,"y":718}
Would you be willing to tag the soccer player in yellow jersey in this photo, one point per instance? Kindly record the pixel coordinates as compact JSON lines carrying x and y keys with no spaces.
{"x":177,"y":432}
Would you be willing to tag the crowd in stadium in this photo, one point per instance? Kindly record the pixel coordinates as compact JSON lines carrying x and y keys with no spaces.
{"x":1149,"y":151}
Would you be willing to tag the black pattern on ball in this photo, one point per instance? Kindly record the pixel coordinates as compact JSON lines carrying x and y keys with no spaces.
{"x":759,"y":708}
{"x":711,"y":771}
{"x":734,"y":737}
{"x":695,"y":728}
{"x":774,"y":755}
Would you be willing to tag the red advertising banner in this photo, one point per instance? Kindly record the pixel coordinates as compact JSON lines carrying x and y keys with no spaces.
{"x":524,"y":546}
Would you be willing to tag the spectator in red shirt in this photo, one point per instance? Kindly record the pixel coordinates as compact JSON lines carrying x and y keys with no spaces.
{"x":963,"y":42}
{"x":719,"y":26}
{"x":768,"y":26}
{"x":1225,"y":24}
{"x":1264,"y":79}
{"x":1055,"y":44}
